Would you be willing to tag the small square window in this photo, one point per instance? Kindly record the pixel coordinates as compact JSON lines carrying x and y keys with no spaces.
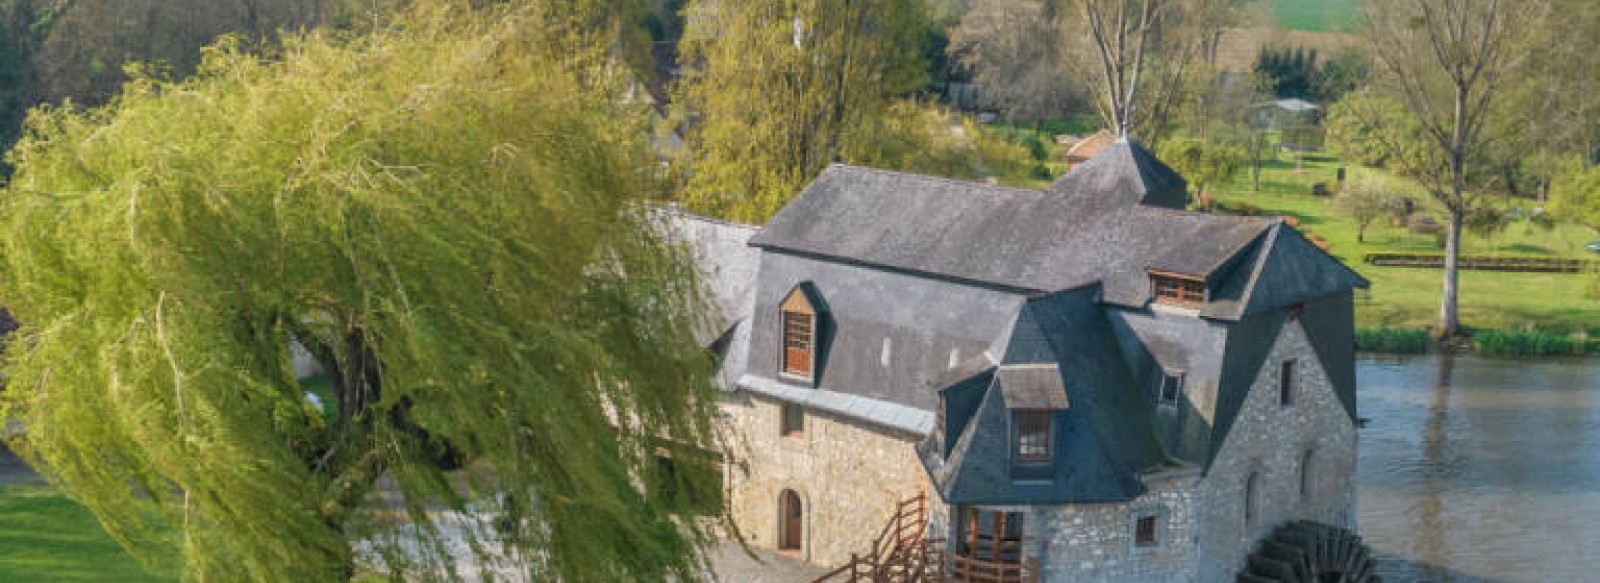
{"x":1286,"y":383}
{"x":794,"y":420}
{"x":1144,"y":531}
{"x":1171,"y":388}
{"x":1033,"y":436}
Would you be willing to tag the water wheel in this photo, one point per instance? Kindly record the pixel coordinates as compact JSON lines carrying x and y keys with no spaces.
{"x":1309,"y":552}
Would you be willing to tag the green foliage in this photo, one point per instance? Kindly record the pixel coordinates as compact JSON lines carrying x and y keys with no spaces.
{"x":1008,"y":161}
{"x":1394,"y":340}
{"x":1575,"y":194}
{"x":916,"y":137}
{"x":1526,"y":343}
{"x":1296,"y":72}
{"x":1202,"y":163}
{"x":1485,"y":221}
{"x":1287,"y":72}
{"x":775,"y":90}
{"x":448,"y":222}
{"x":1376,"y":131}
{"x":1365,"y":198}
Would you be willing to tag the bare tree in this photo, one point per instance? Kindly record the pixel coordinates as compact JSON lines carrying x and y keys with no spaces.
{"x":1011,"y":48}
{"x":1446,"y":59}
{"x":1144,"y":48}
{"x":1121,"y":31}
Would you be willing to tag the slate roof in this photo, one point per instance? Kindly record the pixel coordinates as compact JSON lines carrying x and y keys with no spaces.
{"x":1101,"y":437}
{"x":1032,"y":386}
{"x":725,"y":260}
{"x":1108,"y":222}
{"x":999,"y":298}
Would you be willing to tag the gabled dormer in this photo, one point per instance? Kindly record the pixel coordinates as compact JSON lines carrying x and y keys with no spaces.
{"x":1055,"y":420}
{"x":801,"y":318}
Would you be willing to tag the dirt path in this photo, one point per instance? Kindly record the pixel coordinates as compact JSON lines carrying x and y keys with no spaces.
{"x":733,"y":565}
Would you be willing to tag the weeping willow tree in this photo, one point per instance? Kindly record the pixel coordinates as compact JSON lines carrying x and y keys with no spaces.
{"x":438,"y":213}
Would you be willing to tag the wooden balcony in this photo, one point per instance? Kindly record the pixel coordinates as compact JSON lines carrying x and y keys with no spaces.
{"x":1010,"y":567}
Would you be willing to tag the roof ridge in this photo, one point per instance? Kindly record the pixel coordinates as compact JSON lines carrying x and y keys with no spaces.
{"x":944,"y":179}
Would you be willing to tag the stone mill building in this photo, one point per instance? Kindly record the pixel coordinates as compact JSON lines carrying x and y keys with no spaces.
{"x":943,"y":380}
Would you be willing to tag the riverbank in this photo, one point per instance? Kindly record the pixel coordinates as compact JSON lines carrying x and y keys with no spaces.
{"x":1485,"y":342}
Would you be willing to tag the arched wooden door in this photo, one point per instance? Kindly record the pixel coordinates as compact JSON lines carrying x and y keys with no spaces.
{"x":791,"y":521}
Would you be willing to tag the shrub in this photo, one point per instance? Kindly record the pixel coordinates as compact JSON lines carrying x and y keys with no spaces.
{"x":1036,"y":147}
{"x":1526,"y":343}
{"x":1397,"y":340}
{"x":1320,"y":189}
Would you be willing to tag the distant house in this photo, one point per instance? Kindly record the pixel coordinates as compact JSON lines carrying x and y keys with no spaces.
{"x":1089,"y":147}
{"x":1082,"y":383}
{"x":1283,"y":114}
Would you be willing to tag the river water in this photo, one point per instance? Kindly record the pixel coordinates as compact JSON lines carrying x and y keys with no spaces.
{"x":1481,"y":470}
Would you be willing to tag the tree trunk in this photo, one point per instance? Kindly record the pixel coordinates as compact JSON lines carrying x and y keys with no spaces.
{"x":1449,"y":309}
{"x":1361,"y":232}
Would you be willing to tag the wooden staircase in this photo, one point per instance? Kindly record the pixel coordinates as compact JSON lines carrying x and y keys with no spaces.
{"x":902,"y":553}
{"x":899,"y":554}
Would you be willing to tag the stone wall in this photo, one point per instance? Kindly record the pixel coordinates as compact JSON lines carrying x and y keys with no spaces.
{"x":849,"y":476}
{"x":1271,"y":439}
{"x":1095,"y":542}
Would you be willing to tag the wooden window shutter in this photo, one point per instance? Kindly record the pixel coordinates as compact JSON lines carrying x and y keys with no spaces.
{"x":799,"y":334}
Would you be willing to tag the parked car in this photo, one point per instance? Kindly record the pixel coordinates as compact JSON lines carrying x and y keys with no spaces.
{"x":1594,"y":246}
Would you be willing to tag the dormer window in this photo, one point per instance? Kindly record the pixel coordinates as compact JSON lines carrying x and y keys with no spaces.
{"x":1176,"y":289}
{"x":1032,"y":436}
{"x":799,"y":335}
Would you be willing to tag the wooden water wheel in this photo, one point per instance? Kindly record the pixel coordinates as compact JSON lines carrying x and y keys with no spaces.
{"x":1310,"y":552}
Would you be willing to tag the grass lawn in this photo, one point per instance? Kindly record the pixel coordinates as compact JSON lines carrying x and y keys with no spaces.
{"x":46,"y":537}
{"x":1409,"y":297}
{"x":1315,"y":15}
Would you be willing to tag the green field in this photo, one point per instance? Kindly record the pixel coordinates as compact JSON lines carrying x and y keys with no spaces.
{"x":1314,"y":15}
{"x":1409,"y":297}
{"x":45,"y":537}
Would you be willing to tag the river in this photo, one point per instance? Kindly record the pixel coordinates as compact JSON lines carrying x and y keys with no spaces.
{"x":1481,"y":470}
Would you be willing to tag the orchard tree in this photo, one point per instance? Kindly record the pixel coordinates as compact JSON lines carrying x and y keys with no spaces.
{"x":1202,"y":163}
{"x":1365,"y":198}
{"x":448,"y":224}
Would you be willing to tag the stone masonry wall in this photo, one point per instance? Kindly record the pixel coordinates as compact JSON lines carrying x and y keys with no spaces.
{"x":1095,"y":542}
{"x":849,"y":476}
{"x":1272,"y":439}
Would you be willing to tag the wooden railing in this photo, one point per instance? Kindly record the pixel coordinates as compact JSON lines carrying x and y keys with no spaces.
{"x":947,"y":567}
{"x":898,"y":552}
{"x":902,"y":553}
